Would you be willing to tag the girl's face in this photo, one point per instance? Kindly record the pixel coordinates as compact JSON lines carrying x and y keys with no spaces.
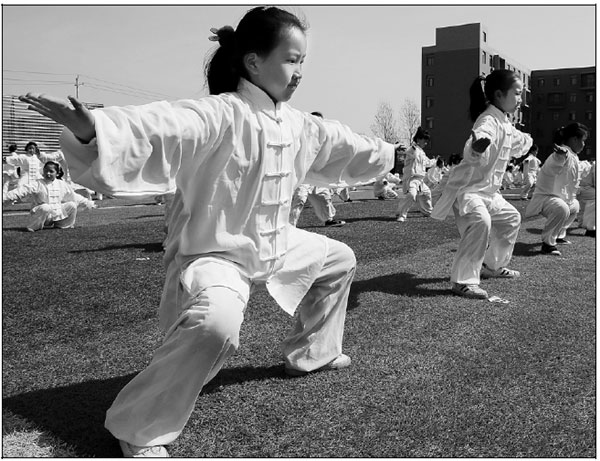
{"x":422,"y":143}
{"x":509,"y":102}
{"x":576,"y":144}
{"x":31,"y":150}
{"x":50,"y":172}
{"x":279,"y":73}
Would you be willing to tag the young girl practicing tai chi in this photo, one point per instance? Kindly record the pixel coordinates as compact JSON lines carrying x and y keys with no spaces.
{"x":53,"y":201}
{"x":235,"y":158}
{"x":487,"y":223}
{"x":556,"y":189}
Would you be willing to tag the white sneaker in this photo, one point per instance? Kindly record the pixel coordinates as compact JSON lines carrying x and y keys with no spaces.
{"x":341,"y":361}
{"x":134,"y":451}
{"x":400,"y":219}
{"x":502,"y":273}
{"x":469,"y":291}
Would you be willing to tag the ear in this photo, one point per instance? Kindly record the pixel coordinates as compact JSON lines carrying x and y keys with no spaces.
{"x":498,"y":94}
{"x":252,"y":63}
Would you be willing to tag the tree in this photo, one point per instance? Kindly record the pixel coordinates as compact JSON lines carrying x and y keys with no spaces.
{"x":385,"y":125}
{"x":410,"y":119}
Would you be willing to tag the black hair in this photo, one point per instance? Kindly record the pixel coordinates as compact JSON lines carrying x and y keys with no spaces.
{"x":573,"y":130}
{"x":31,"y":143}
{"x":12,"y":148}
{"x":317,"y":114}
{"x":59,"y":171}
{"x":421,"y":134}
{"x":481,"y":97}
{"x":259,"y":31}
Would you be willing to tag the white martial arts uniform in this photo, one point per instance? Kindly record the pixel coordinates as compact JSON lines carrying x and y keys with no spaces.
{"x":31,"y":167}
{"x":236,"y":159}
{"x":413,"y":186}
{"x":383,"y":186}
{"x":555,"y":195}
{"x":53,"y":203}
{"x":586,"y":196}
{"x":531,"y":166}
{"x":319,"y":198}
{"x":487,"y":223}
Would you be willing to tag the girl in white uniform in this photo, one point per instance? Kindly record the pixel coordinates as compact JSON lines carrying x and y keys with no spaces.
{"x":586,"y":196}
{"x":413,"y":184}
{"x":54,"y":203}
{"x":236,"y":157}
{"x":556,"y":188}
{"x":487,"y":223}
{"x":29,"y":163}
{"x":531,"y":166}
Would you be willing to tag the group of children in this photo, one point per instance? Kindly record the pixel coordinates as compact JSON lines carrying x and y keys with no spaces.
{"x":54,"y":203}
{"x":234,"y":160}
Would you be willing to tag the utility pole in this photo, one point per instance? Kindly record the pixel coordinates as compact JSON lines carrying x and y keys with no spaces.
{"x":77,"y":85}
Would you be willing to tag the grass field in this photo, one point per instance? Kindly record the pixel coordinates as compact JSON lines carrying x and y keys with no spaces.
{"x":433,"y":375}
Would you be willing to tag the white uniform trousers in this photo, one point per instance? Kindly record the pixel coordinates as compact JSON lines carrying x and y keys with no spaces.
{"x":528,"y":185}
{"x":319,"y":198}
{"x":486,"y":235}
{"x":417,"y":192}
{"x":584,"y":197}
{"x":559,"y":217}
{"x":41,"y":216}
{"x":155,"y":406}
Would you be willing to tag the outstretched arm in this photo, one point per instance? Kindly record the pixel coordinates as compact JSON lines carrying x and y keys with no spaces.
{"x":68,"y":112}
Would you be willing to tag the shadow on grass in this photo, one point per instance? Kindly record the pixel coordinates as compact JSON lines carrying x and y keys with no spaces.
{"x":75,"y":414}
{"x":397,"y":284}
{"x":527,"y":249}
{"x":155,"y":247}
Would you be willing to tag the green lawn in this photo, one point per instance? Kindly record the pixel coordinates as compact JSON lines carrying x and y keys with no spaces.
{"x":433,"y":375}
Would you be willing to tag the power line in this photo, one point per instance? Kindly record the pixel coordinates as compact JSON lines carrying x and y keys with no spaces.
{"x":31,"y":72}
{"x":153,"y":93}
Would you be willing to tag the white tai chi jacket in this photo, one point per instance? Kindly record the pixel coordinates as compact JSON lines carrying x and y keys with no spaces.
{"x":480,"y":177}
{"x":235,"y":160}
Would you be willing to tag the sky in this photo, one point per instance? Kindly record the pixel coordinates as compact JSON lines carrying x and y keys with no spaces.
{"x":359,"y":56}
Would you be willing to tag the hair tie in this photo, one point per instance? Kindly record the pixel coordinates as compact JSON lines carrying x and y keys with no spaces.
{"x":224,"y":35}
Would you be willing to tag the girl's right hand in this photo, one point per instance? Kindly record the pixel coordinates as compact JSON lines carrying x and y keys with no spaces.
{"x":479,"y":145}
{"x":75,"y":116}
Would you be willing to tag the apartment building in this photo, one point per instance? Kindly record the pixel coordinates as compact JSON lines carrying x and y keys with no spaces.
{"x":560,"y":97}
{"x":459,"y":55}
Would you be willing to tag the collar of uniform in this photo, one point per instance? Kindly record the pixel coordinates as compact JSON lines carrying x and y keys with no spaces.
{"x":258,"y":98}
{"x":500,"y":115}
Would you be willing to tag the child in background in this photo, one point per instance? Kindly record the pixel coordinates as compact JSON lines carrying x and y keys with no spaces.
{"x":435,"y":173}
{"x":531,"y":166}
{"x":436,"y":193}
{"x":54,"y":204}
{"x":383,"y":188}
{"x":487,"y":223}
{"x":29,"y":164}
{"x":556,"y":188}
{"x":586,"y":196}
{"x":236,"y":157}
{"x":10,"y":173}
{"x":413,"y":185}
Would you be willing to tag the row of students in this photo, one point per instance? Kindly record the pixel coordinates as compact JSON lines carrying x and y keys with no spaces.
{"x":235,"y":158}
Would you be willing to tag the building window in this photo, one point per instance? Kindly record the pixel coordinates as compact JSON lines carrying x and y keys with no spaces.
{"x":428,"y":102}
{"x":484,"y":57}
{"x":556,"y":99}
{"x":555,"y":116}
{"x":573,"y":97}
{"x":573,"y":80}
{"x":589,"y":97}
{"x":589,"y":116}
{"x":556,"y":81}
{"x":429,"y":123}
{"x":429,"y":81}
{"x":485,"y":37}
{"x":540,"y":99}
{"x":572,"y":116}
{"x":429,"y":61}
{"x":588,"y":80}
{"x":541,"y":82}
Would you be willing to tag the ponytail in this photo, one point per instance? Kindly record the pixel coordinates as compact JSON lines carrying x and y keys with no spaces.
{"x":478,"y":102}
{"x":499,"y":79}
{"x":573,"y":130}
{"x":259,"y":31}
